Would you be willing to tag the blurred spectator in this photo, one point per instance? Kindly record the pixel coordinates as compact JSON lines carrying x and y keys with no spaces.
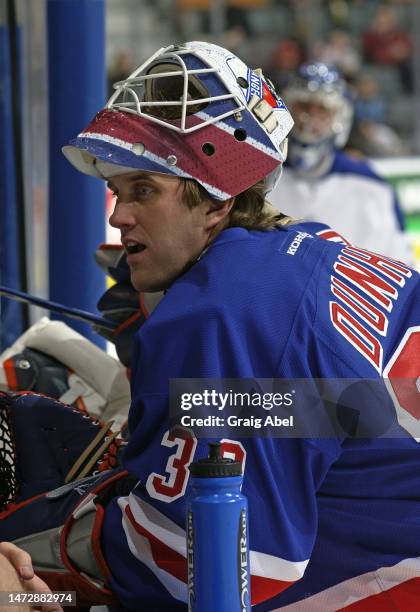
{"x":122,"y":65}
{"x":368,"y":104}
{"x":386,"y":44}
{"x":339,"y":50}
{"x":338,"y":10}
{"x":235,"y":11}
{"x":285,"y":59}
{"x":237,"y":17}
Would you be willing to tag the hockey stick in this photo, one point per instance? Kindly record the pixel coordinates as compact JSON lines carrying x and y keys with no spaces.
{"x":73,"y":313}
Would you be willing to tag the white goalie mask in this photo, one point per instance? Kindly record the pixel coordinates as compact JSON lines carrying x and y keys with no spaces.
{"x":321,"y":105}
{"x":193,"y":111}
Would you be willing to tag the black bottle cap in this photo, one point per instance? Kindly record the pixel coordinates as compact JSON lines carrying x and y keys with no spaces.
{"x":215,"y":466}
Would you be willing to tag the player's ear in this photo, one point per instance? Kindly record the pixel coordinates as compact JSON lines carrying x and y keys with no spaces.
{"x":218,"y":212}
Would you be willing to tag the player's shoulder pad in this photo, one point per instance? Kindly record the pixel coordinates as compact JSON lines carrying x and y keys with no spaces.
{"x":346,"y":164}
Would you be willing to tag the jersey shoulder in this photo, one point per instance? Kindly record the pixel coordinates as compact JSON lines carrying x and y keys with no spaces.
{"x":346,"y":164}
{"x":244,"y":292}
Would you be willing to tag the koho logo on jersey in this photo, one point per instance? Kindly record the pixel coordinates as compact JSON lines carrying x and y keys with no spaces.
{"x":297,"y":241}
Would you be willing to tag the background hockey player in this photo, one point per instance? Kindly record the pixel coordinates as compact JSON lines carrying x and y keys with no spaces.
{"x":190,"y":144}
{"x":321,"y":182}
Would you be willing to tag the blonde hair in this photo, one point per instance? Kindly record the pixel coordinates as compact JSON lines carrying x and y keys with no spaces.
{"x":250,"y":209}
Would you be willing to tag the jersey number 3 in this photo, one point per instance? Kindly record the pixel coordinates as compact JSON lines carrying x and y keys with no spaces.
{"x":170,"y":487}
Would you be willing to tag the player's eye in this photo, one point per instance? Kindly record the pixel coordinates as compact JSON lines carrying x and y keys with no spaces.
{"x":142,"y":190}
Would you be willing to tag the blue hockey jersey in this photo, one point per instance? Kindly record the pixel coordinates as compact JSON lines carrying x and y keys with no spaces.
{"x":334,"y":523}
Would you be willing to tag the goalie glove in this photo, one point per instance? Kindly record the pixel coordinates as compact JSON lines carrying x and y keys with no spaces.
{"x":61,"y":531}
{"x":45,"y":443}
{"x":121,"y":303}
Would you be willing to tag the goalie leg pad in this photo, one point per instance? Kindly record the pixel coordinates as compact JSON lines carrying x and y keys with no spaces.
{"x":65,"y":545}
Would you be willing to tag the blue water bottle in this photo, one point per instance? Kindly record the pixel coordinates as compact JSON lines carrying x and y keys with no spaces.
{"x":217,"y":536}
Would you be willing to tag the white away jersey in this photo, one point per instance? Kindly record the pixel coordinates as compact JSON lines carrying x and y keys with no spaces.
{"x":351,"y":199}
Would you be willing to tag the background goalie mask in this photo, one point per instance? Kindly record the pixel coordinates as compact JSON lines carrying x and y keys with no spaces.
{"x":323,"y":111}
{"x":194,"y":111}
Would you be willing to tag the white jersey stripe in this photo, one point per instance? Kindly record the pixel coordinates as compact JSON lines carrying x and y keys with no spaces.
{"x":173,"y":536}
{"x":154,"y":158}
{"x":158,"y":524}
{"x":140,"y":547}
{"x":276,"y":568}
{"x":357,"y":588}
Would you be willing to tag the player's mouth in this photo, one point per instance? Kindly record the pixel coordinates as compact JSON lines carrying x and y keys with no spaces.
{"x":133,"y":248}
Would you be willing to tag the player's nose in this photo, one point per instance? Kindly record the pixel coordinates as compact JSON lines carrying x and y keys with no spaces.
{"x":122,"y":216}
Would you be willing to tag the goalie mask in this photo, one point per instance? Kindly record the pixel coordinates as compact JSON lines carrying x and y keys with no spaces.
{"x":320,"y":102}
{"x":194,"y":111}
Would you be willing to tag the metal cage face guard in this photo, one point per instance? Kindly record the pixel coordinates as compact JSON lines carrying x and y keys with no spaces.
{"x":192,"y":111}
{"x":320,"y":83}
{"x":144,"y":91}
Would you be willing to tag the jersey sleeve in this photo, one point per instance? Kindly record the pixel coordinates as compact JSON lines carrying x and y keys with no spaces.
{"x":144,"y":541}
